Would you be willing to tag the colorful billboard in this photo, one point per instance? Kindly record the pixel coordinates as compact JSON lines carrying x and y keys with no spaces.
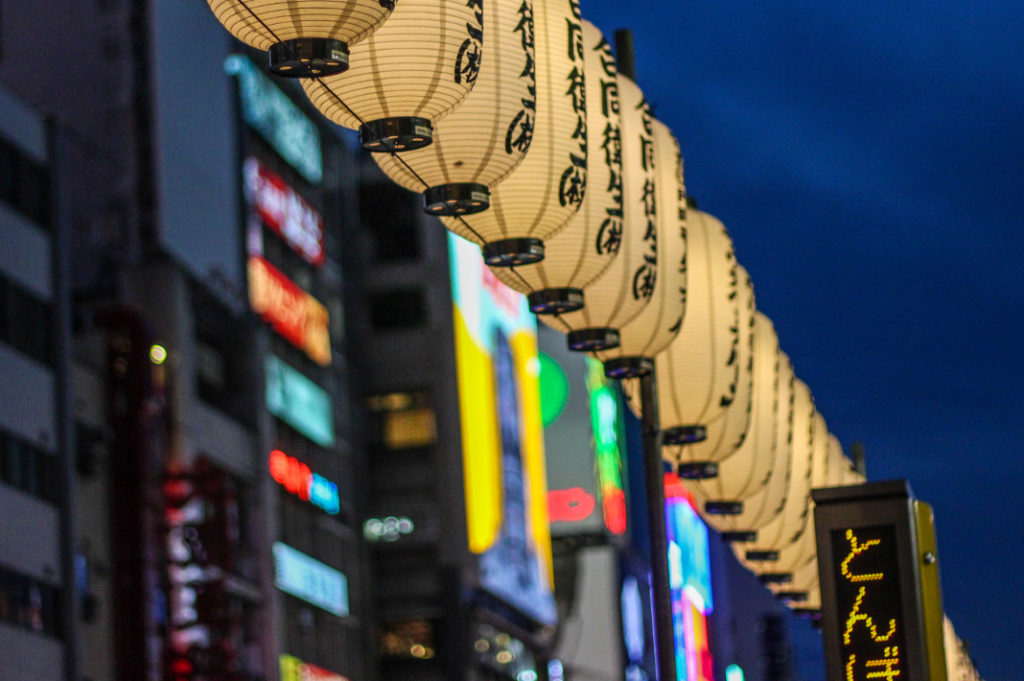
{"x":300,"y":318}
{"x":583,"y":424}
{"x":502,"y":436}
{"x":690,"y":581}
{"x":283,"y":210}
{"x":310,"y":580}
{"x":299,"y":402}
{"x":294,"y":669}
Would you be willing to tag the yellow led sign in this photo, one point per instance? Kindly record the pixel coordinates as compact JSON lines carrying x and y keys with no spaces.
{"x":868,"y":602}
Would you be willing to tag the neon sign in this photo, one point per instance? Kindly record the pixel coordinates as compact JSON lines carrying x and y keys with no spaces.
{"x":310,"y":580}
{"x":299,"y":402}
{"x":868,"y":600}
{"x":571,"y":505}
{"x":283,"y":210}
{"x":277,"y":119}
{"x":294,"y":669}
{"x":299,"y":317}
{"x":297,"y":478}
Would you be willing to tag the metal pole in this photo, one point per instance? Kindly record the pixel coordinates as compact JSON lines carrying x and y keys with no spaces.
{"x":654,"y":478}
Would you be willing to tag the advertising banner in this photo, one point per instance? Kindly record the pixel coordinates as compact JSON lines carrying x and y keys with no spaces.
{"x":299,"y":317}
{"x":299,"y":402}
{"x":502,"y":435}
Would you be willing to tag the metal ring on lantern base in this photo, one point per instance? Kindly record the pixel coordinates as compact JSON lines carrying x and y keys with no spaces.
{"x":684,"y":435}
{"x":308,"y":57}
{"x":402,"y":133}
{"x":776,"y":577}
{"x":628,"y":367}
{"x":460,"y":198}
{"x":555,"y":300}
{"x":513,"y":252}
{"x":762,"y":556}
{"x":740,"y":536}
{"x":723,"y":507}
{"x":792,"y":596}
{"x":593,"y":339}
{"x":697,"y":470}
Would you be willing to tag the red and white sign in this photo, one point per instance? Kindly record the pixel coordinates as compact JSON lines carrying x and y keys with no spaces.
{"x":293,"y":313}
{"x":282,"y":209}
{"x":571,"y":505}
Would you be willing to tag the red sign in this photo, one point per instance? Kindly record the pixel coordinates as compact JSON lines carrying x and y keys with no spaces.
{"x":570,"y":505}
{"x":293,"y":313}
{"x":282,"y":209}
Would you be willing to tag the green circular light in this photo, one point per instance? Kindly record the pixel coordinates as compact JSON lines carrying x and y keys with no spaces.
{"x":554,"y":389}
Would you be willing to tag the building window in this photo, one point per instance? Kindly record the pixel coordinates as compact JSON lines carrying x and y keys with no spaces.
{"x":24,"y":184}
{"x":26,"y":322}
{"x":391,"y":215}
{"x":398,"y":308}
{"x":28,"y":603}
{"x":404,"y":420}
{"x":28,"y":468}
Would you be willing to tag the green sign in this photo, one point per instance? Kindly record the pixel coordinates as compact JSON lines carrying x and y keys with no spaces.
{"x":299,"y":402}
{"x":277,"y":119}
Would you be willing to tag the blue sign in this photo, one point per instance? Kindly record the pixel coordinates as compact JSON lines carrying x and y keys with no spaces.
{"x":277,"y":119}
{"x":299,"y":402}
{"x":309,"y":579}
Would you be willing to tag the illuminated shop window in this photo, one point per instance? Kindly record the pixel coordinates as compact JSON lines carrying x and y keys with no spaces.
{"x":412,"y":638}
{"x":405,"y":420}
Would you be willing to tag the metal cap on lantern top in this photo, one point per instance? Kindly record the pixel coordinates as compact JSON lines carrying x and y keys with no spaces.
{"x":626,"y":286}
{"x":790,"y":521}
{"x":537,"y":199}
{"x":705,"y":405}
{"x":585,"y":247}
{"x":413,"y":71}
{"x":765,"y":505}
{"x":748,"y":470}
{"x":659,"y":322}
{"x":304,"y":38}
{"x":487,"y":136}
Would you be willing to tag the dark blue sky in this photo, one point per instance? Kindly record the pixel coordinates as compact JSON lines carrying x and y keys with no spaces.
{"x":868,"y":160}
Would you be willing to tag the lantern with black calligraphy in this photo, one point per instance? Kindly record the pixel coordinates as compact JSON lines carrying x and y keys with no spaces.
{"x":414,"y":70}
{"x":791,"y":521}
{"x":584,"y":248}
{"x":705,"y":391}
{"x":539,"y":197}
{"x":651,"y":331}
{"x":487,"y":136}
{"x":304,"y":38}
{"x":749,"y":470}
{"x":626,"y":286}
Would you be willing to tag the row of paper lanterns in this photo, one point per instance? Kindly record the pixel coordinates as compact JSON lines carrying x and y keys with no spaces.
{"x":512,"y":120}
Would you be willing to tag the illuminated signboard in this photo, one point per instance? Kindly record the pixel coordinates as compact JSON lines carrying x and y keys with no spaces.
{"x":284,"y":211}
{"x":689,"y":581}
{"x":502,"y":436}
{"x":310,"y":580}
{"x":299,"y":402}
{"x":297,"y":478}
{"x":872,"y":556}
{"x":277,"y":119}
{"x":294,"y":669}
{"x":297,"y":316}
{"x":581,"y":416}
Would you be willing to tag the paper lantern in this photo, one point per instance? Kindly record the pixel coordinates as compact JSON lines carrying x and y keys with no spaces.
{"x":304,"y":38}
{"x":626,"y":286}
{"x":659,"y":322}
{"x":478,"y":144}
{"x":548,"y":187}
{"x":411,"y":72}
{"x":749,"y":469}
{"x":706,"y":409}
{"x":790,"y":521}
{"x":585,"y":247}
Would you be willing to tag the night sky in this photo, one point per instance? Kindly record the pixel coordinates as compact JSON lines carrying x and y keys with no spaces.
{"x":868,"y":160}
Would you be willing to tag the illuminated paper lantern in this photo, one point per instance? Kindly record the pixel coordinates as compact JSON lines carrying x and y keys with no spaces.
{"x":548,"y":187}
{"x":789,"y":523}
{"x":411,"y":72}
{"x":659,"y":322}
{"x":706,"y":393}
{"x":749,"y":469}
{"x":626,"y":286}
{"x":585,"y":247}
{"x":304,"y":38}
{"x":478,"y":144}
